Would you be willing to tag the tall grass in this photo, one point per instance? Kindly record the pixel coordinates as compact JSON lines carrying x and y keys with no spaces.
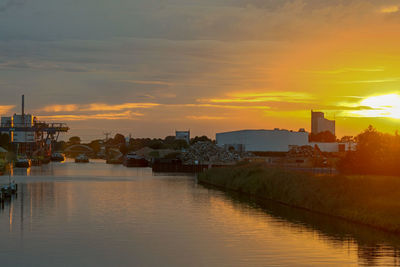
{"x":371,"y":200}
{"x":3,"y":165}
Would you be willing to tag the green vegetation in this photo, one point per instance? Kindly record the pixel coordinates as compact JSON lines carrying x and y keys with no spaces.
{"x":377,"y":153}
{"x":326,"y":136}
{"x":3,"y":164}
{"x":371,"y":200}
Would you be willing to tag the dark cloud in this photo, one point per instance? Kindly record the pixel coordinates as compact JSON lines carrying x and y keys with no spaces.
{"x":12,"y":3}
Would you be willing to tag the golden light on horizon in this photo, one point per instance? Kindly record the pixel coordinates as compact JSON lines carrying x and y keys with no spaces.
{"x":387,"y":106}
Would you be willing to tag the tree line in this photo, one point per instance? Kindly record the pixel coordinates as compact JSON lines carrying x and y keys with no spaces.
{"x":376,"y":153}
{"x":133,"y":144}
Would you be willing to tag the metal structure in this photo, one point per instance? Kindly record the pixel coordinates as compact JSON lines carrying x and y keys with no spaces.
{"x":31,"y":135}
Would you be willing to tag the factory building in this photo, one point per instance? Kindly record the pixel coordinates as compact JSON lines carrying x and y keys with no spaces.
{"x":28,"y":134}
{"x":262,"y":140}
{"x":183,"y":135}
{"x":320,"y":124}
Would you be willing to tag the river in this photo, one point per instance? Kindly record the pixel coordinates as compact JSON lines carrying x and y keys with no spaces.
{"x":68,"y":214}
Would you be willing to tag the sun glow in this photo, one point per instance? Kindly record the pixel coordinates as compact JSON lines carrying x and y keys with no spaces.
{"x":381,"y":106}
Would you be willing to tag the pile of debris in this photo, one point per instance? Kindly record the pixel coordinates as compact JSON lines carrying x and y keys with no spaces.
{"x":304,"y":151}
{"x":209,"y":153}
{"x":300,"y":151}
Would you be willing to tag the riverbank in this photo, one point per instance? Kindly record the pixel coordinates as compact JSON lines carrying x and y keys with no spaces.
{"x":370,"y":200}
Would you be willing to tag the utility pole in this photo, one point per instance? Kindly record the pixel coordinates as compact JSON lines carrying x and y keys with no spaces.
{"x":107,"y":134}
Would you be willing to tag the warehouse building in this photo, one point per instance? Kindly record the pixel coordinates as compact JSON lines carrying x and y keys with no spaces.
{"x":276,"y":140}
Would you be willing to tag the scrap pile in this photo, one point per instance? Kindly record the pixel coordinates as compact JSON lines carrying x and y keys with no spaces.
{"x":300,"y":151}
{"x":209,"y":153}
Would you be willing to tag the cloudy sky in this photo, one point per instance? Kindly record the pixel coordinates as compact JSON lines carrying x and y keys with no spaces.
{"x":148,"y":67}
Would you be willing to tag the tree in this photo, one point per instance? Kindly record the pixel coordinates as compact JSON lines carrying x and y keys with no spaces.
{"x":95,"y":145}
{"x":124,"y":149}
{"x":325,"y":136}
{"x":376,"y":153}
{"x":200,"y":139}
{"x":180,"y":144}
{"x":60,"y":146}
{"x":75,"y":140}
{"x":4,"y":140}
{"x":347,"y":139}
{"x":119,"y":139}
{"x":169,"y":140}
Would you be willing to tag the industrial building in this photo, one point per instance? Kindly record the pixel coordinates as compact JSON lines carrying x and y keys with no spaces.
{"x":183,"y":135}
{"x":320,"y":124}
{"x":28,"y":134}
{"x":276,"y":140}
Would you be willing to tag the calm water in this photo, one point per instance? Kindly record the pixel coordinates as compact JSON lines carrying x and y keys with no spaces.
{"x":94,"y":214}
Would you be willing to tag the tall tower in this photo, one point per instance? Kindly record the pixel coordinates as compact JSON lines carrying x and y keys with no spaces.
{"x":320,"y":124}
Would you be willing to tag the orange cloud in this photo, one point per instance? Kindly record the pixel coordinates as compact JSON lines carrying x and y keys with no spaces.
{"x":5,"y":109}
{"x":223,"y":106}
{"x":96,"y":107}
{"x":103,"y":106}
{"x":249,"y":97}
{"x":58,"y":108}
{"x":204,"y":118}
{"x":389,"y":9}
{"x":103,"y":116}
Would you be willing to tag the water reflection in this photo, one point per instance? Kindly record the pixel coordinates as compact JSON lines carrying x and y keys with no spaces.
{"x":374,"y":247}
{"x":98,"y":214}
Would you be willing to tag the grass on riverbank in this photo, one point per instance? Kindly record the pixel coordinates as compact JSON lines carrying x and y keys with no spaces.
{"x":3,"y":165}
{"x":371,"y":200}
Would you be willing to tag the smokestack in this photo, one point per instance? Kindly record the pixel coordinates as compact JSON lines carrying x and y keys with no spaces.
{"x":23,"y":105}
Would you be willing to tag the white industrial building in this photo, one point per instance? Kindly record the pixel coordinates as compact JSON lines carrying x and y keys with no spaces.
{"x":275,"y":141}
{"x":262,"y":140}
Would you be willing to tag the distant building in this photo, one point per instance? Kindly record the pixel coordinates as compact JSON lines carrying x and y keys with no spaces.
{"x":319,"y":124}
{"x":262,"y":140}
{"x":183,"y":135}
{"x":22,"y":124}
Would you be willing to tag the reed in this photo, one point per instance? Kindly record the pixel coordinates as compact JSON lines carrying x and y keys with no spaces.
{"x":370,"y":200}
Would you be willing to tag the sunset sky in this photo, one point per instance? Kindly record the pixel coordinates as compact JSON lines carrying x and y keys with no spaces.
{"x":148,"y":67}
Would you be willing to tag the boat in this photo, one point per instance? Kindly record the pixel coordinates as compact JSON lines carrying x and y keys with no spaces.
{"x":57,"y":156}
{"x":133,"y":160}
{"x":22,"y":162}
{"x":82,"y":158}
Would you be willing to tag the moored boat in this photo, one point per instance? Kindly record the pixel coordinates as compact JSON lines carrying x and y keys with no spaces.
{"x":22,"y":162}
{"x":133,"y":160}
{"x":82,"y":158}
{"x":57,"y":156}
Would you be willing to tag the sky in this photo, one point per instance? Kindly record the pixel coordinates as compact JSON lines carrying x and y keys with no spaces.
{"x":150,"y":67}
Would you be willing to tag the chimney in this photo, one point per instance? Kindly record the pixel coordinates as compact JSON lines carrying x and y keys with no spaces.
{"x":23,"y":105}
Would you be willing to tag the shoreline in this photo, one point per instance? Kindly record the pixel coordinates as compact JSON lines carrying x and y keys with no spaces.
{"x":358,"y":214}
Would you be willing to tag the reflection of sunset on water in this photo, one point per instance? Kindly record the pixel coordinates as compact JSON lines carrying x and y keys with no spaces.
{"x":137,"y":212}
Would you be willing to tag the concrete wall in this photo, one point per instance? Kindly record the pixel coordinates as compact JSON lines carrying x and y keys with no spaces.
{"x":263,"y":140}
{"x":334,"y":147}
